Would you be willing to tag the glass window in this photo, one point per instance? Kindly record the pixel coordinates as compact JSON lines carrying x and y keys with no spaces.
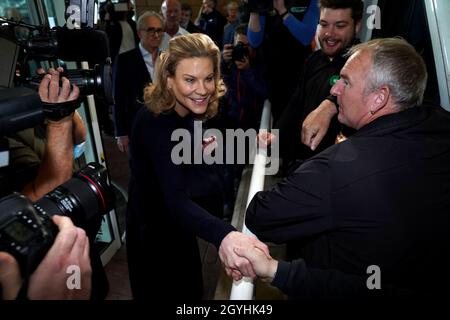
{"x":409,"y":22}
{"x":15,"y":9}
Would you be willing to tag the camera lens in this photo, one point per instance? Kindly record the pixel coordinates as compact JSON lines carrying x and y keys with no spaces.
{"x":26,"y":230}
{"x":84,"y":197}
{"x":240,"y":51}
{"x":97,"y":81}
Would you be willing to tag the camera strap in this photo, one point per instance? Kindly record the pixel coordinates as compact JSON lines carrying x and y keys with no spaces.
{"x":57,"y":111}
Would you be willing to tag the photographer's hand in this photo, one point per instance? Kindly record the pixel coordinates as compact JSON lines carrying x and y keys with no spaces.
{"x":65,"y":272}
{"x":67,"y":94}
{"x":57,"y":162}
{"x":10,"y":279}
{"x":50,"y":281}
{"x":227,"y":52}
{"x":49,"y":89}
{"x":243,"y":64}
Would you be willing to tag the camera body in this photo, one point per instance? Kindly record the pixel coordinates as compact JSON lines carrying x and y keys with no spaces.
{"x":240,"y":51}
{"x":26,"y":230}
{"x":78,"y":42}
{"x":265,"y":6}
{"x":260,"y":6}
{"x":23,"y":233}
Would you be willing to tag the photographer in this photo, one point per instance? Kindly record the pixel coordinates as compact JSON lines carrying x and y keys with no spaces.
{"x":243,"y":76}
{"x":120,"y":27}
{"x":49,"y":281}
{"x":285,"y":38}
{"x":51,"y":160}
{"x":41,"y":158}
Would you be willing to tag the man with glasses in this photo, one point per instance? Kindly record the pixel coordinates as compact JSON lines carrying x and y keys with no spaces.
{"x":171,"y":11}
{"x":135,"y":69}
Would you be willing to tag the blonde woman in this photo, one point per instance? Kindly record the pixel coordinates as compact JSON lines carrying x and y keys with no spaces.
{"x":187,"y":87}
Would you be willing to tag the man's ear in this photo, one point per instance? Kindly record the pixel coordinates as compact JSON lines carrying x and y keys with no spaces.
{"x":358,"y":27}
{"x":380,"y":99}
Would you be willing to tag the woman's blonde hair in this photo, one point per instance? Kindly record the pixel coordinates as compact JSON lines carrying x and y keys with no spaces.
{"x":196,"y":45}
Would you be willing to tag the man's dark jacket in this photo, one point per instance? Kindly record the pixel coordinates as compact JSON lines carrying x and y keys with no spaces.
{"x":130,"y":79}
{"x":380,"y":198}
{"x":313,"y":87}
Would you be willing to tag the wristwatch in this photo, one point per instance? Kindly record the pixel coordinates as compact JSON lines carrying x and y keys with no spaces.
{"x":334,"y":100}
{"x":282,"y":15}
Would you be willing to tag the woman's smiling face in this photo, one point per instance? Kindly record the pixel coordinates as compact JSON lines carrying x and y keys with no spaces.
{"x":193,"y":85}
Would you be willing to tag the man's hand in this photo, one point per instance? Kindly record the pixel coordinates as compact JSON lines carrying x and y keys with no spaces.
{"x":10,"y":279}
{"x":49,"y":89}
{"x":316,"y":124}
{"x":243,"y":64}
{"x":264,"y":267}
{"x":122,"y":143}
{"x":71,"y":249}
{"x":280,"y":6}
{"x":57,"y":162}
{"x":50,"y":279}
{"x":227,"y":52}
{"x":206,"y":8}
{"x":236,"y":266}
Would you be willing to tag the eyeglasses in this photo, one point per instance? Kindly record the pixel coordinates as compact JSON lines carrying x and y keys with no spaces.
{"x":153,"y":31}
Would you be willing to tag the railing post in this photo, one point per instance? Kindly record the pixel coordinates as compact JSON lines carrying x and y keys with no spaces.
{"x":243,"y":289}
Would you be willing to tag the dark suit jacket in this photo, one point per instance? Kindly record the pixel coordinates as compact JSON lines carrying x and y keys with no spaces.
{"x":131,"y":76}
{"x":192,"y":28}
{"x":114,"y":32}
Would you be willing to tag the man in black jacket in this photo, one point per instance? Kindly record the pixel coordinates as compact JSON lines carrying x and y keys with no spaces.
{"x":377,"y":201}
{"x":339,"y":22}
{"x":186,"y":23}
{"x":134,"y":71}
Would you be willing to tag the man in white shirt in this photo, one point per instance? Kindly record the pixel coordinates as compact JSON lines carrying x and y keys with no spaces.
{"x":171,"y":11}
{"x":135,"y":69}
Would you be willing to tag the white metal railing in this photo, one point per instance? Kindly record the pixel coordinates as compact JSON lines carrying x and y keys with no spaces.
{"x":243,"y":289}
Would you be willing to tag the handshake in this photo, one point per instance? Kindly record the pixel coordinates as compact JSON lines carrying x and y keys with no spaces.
{"x":246,"y":256}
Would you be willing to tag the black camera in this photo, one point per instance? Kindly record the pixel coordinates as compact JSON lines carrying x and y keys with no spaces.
{"x":26,"y":230}
{"x":265,"y":6}
{"x":96,"y":81}
{"x":66,"y":44}
{"x":240,"y":51}
{"x":260,"y":6}
{"x":77,"y":41}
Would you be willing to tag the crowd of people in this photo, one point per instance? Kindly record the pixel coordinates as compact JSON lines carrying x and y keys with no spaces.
{"x":378,"y":197}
